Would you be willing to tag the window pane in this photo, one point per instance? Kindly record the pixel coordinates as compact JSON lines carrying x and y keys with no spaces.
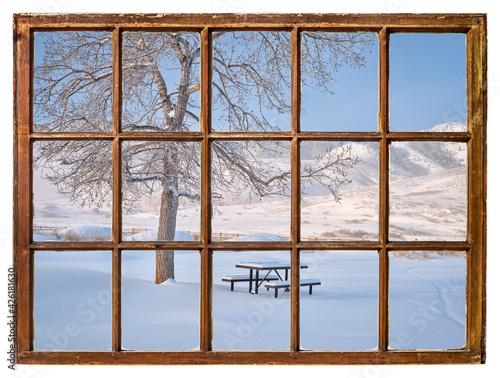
{"x":161,"y":82}
{"x":339,"y":82}
{"x":72,"y":190}
{"x":428,"y":191}
{"x":72,"y":302}
{"x":73,"y":81}
{"x":251,"y":81}
{"x":242,"y":321}
{"x":160,"y":316}
{"x":427,"y":84}
{"x":341,"y":313}
{"x":161,"y":190}
{"x":427,"y":299}
{"x":251,"y":190}
{"x":339,"y":183}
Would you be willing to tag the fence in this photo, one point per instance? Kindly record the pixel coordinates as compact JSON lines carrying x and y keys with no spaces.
{"x":223,"y":236}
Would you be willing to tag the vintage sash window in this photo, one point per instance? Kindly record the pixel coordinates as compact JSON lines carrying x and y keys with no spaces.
{"x":231,"y":139}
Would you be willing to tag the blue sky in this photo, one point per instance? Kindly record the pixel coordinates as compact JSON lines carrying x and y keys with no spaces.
{"x":427,"y":87}
{"x":427,"y":82}
{"x":354,"y":104}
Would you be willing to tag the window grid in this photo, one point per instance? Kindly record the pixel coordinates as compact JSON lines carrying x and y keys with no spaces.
{"x":474,"y":245}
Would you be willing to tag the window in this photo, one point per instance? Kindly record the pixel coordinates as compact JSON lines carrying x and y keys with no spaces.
{"x":166,"y":166}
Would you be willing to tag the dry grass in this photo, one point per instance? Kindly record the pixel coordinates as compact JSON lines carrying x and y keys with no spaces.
{"x":72,"y":235}
{"x":344,"y":234}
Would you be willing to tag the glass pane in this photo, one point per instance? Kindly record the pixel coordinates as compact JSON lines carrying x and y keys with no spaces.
{"x":161,"y":190}
{"x":244,"y":321}
{"x":72,"y":190}
{"x":427,"y":299}
{"x":339,"y":82}
{"x":341,"y":312}
{"x":251,"y":190}
{"x":428,"y":191}
{"x":161,"y":82}
{"x":339,"y":191}
{"x":160,"y":316}
{"x":73,"y":81}
{"x":427,"y":84}
{"x":251,"y":81}
{"x":72,"y":300}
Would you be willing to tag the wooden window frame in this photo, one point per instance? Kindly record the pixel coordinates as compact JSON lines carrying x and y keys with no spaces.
{"x":473,"y":25}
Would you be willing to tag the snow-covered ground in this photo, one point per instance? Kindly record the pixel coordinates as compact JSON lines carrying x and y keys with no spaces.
{"x":73,"y":302}
{"x":428,"y":188}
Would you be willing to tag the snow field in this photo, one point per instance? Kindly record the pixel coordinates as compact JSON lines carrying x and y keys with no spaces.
{"x":73,"y":302}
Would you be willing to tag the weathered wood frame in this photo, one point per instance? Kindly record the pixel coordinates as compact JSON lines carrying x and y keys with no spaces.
{"x":473,"y":25}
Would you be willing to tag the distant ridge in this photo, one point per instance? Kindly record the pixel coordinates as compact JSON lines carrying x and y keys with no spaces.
{"x":407,"y":159}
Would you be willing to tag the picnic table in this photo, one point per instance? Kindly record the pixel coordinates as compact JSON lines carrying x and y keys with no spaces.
{"x":269,"y":266}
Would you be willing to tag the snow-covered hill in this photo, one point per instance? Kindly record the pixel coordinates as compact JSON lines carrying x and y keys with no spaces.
{"x":448,"y":127}
{"x":407,"y":159}
{"x":428,"y":190}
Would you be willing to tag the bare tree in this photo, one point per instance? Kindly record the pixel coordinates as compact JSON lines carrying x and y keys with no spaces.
{"x":250,"y":92}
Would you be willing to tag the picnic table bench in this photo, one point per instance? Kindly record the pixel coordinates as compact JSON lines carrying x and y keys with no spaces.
{"x":275,"y":282}
{"x":286,"y":285}
{"x":245,"y":278}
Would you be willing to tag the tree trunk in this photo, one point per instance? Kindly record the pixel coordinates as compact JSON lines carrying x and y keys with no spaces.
{"x":170,"y":196}
{"x":168,"y":213}
{"x":166,"y":231}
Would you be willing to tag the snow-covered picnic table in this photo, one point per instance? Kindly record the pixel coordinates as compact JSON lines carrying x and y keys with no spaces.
{"x":268,"y":266}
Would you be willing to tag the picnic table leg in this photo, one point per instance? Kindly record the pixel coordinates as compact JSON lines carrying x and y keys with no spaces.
{"x":310,"y":289}
{"x":276,"y":271}
{"x":286,"y":279}
{"x":256,"y":282}
{"x":265,"y":278}
{"x":276,"y":292}
{"x":250,"y":282}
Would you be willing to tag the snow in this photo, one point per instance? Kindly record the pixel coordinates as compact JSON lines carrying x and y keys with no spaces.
{"x":160,"y":317}
{"x":41,"y":238}
{"x":261,"y":236}
{"x":73,"y":302}
{"x":448,"y":127}
{"x":427,"y":303}
{"x":153,"y":235}
{"x":87,"y":230}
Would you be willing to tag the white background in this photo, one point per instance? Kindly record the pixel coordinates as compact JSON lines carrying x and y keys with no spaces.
{"x":8,"y":7}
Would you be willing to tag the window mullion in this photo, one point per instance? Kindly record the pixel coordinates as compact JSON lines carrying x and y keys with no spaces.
{"x":117,"y":189}
{"x":295,"y":193}
{"x":206,"y":192}
{"x":383,"y":314}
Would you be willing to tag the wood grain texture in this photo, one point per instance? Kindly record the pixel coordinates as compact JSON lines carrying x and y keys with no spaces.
{"x":295,"y":192}
{"x":383,"y":296}
{"x":22,"y":229}
{"x":206,"y":193}
{"x":251,"y":358}
{"x":476,"y":267}
{"x":195,"y":22}
{"x":247,"y":136}
{"x":116,"y":338}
